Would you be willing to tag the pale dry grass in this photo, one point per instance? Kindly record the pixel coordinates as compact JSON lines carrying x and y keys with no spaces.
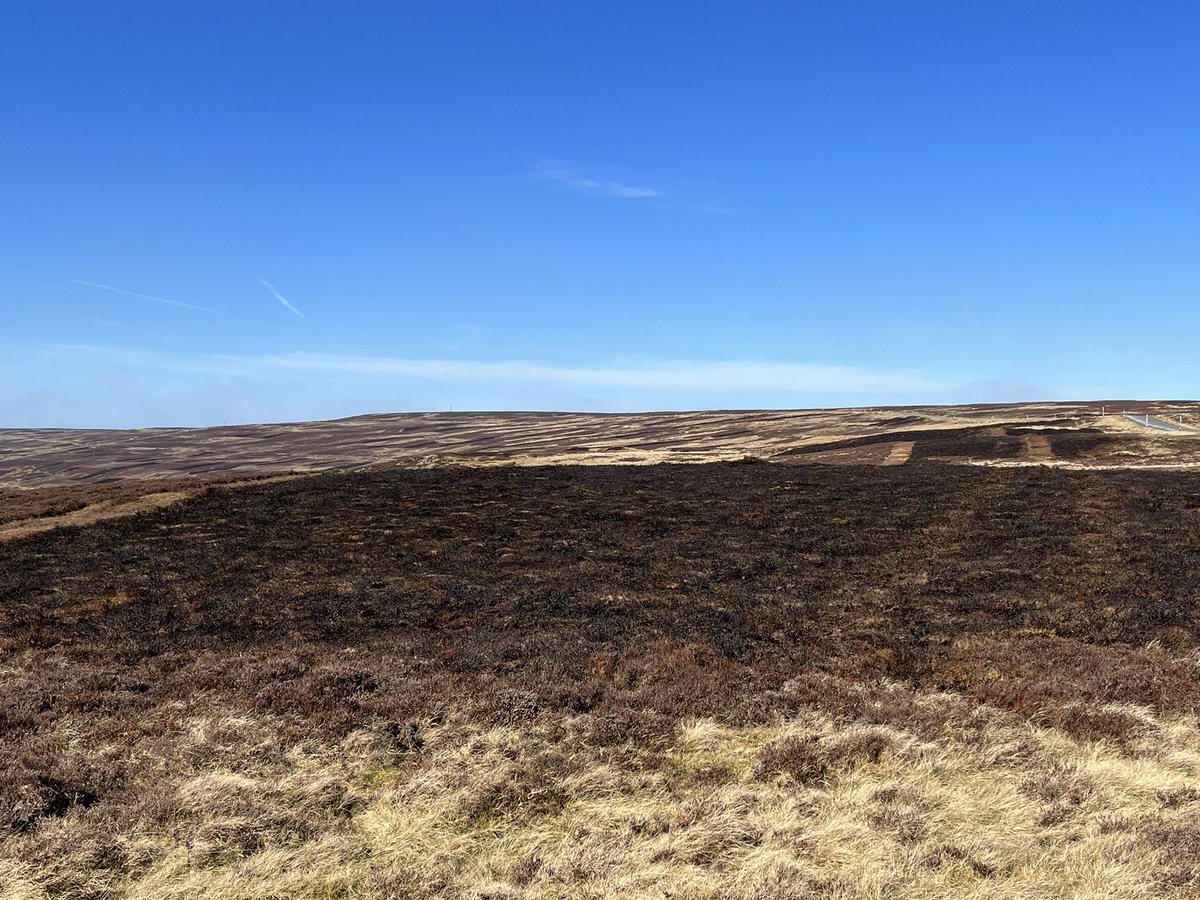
{"x":805,"y":807}
{"x":115,"y":509}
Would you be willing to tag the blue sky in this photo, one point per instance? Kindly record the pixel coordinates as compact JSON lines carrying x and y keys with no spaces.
{"x":231,"y":212}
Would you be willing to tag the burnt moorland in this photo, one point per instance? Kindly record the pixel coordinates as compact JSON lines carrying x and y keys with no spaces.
{"x":550,"y":578}
{"x":628,"y":598}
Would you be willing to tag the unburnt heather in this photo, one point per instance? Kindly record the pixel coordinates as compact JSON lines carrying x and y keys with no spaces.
{"x":711,"y":680}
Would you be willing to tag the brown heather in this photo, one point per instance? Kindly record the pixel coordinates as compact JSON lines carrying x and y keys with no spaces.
{"x":709,"y":681}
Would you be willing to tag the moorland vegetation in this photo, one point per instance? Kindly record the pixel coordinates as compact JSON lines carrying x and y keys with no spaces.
{"x":718,"y":680}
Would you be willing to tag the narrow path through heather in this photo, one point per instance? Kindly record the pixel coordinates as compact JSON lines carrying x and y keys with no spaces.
{"x":899,"y":454}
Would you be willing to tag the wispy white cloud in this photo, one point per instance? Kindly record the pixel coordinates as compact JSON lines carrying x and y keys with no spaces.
{"x":117,"y":290}
{"x":282,"y":299}
{"x":678,"y":194}
{"x":691,"y":376}
{"x":684,"y":376}
{"x":88,"y":385}
{"x":572,"y":177}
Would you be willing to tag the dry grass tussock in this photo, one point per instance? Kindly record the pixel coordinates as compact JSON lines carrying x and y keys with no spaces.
{"x":806,"y":806}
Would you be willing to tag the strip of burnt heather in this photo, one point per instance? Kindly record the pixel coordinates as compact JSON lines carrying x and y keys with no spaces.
{"x":984,"y":441}
{"x":754,"y":560}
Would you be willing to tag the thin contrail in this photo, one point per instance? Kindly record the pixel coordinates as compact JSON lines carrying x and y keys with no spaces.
{"x":282,"y":299}
{"x":117,"y":290}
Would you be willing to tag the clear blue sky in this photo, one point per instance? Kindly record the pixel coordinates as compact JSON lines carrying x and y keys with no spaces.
{"x":592,"y":205}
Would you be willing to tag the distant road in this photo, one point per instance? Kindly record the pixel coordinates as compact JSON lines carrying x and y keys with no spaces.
{"x":1160,"y":424}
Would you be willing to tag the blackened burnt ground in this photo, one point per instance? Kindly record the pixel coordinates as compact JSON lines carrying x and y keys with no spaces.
{"x":1019,"y":586}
